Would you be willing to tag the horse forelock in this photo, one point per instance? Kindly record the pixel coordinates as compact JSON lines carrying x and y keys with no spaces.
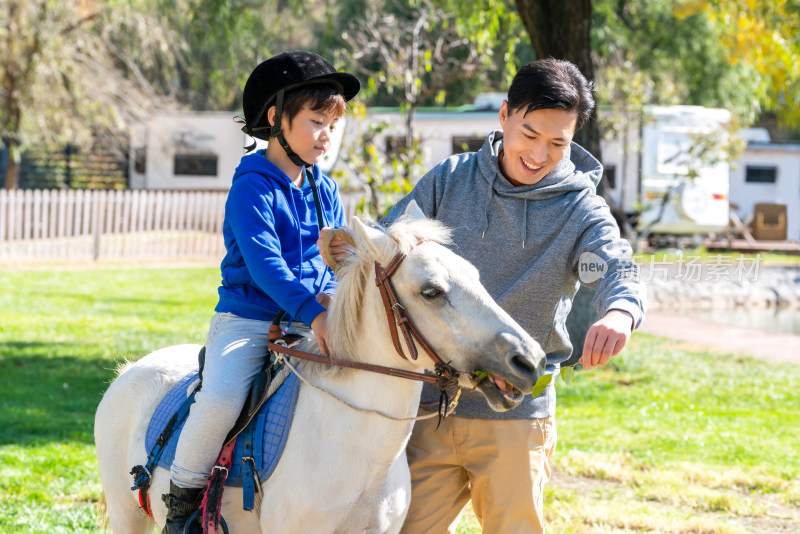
{"x":407,"y":232}
{"x":355,"y":273}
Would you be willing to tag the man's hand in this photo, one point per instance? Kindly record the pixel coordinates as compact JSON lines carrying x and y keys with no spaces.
{"x":606,"y":338}
{"x":338,"y":248}
{"x":320,"y":327}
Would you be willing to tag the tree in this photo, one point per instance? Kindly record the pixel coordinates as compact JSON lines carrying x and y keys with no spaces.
{"x":414,"y":51}
{"x":763,"y":38}
{"x":223,"y":40}
{"x":67,"y":72}
{"x":563,"y":30}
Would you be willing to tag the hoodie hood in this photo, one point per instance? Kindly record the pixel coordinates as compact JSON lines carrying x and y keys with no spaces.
{"x":577,"y":171}
{"x":258,"y":162}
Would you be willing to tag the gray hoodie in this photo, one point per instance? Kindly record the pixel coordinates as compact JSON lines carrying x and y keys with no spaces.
{"x":527,"y":243}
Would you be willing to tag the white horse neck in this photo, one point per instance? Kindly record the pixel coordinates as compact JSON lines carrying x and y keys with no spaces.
{"x":370,"y":391}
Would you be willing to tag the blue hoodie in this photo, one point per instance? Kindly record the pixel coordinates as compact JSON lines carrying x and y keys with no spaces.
{"x":270,"y":230}
{"x":527,"y":243}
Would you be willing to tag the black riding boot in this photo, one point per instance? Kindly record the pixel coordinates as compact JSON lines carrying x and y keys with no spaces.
{"x":182,"y":503}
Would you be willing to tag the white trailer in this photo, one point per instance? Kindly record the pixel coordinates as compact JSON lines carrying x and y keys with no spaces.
{"x":683,"y":192}
{"x":643,"y":164}
{"x":194,"y":151}
{"x":200,"y":150}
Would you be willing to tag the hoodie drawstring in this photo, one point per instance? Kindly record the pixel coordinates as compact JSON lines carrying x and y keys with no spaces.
{"x":487,"y":206}
{"x":299,"y":235}
{"x":524,"y":221}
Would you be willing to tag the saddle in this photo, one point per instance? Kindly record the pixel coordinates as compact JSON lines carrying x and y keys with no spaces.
{"x":262,"y":425}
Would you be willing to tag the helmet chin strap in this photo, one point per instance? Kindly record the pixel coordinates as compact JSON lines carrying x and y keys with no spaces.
{"x":278,"y":134}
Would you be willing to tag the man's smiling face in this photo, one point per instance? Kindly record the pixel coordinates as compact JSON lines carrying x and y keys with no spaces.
{"x":534,"y":143}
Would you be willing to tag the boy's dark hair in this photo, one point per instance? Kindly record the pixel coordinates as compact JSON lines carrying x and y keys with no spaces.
{"x":552,"y":84}
{"x":318,"y":97}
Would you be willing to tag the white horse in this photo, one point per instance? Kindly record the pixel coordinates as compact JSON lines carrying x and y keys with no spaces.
{"x":343,"y":470}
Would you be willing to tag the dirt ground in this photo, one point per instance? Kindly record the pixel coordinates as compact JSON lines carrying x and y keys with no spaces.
{"x":735,"y":340}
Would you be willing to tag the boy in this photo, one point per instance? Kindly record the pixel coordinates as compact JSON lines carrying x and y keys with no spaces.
{"x":295,"y":100}
{"x":523,"y":210}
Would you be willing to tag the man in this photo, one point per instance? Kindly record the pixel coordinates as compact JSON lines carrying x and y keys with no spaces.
{"x":524,"y":211}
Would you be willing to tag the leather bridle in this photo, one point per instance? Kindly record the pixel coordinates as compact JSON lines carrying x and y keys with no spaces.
{"x":445,"y":377}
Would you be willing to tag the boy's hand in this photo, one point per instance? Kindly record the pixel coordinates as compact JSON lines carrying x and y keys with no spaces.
{"x":606,"y":338}
{"x":320,"y":327}
{"x":324,"y":299}
{"x":338,"y":247}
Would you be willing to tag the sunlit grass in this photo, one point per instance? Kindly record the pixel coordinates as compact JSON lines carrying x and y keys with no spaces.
{"x":672,"y":440}
{"x":664,"y":439}
{"x":61,"y":334}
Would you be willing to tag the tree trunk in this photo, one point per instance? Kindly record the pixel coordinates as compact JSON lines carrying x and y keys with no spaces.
{"x":561,"y":29}
{"x":12,"y":169}
{"x":11,"y":141}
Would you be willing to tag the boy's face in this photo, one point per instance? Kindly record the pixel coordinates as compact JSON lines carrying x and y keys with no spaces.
{"x":309,"y":133}
{"x":533,"y":144}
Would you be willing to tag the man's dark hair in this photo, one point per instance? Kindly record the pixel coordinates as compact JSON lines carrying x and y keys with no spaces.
{"x":552,"y":84}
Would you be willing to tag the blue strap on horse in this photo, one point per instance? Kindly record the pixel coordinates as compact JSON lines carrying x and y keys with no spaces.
{"x":143,"y":475}
{"x":251,"y":462}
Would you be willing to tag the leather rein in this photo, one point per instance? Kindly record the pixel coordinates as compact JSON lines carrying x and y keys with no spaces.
{"x":446,"y":377}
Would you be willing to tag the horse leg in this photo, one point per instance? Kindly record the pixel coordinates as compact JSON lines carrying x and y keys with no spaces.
{"x":124,"y":518}
{"x":113,"y":458}
{"x":119,"y":431}
{"x":393,"y":508}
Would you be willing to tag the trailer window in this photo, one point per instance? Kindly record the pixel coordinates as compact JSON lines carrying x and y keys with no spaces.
{"x":195,"y":165}
{"x":610,"y":174}
{"x":761,"y":174}
{"x":466,"y":144}
{"x":140,"y":160}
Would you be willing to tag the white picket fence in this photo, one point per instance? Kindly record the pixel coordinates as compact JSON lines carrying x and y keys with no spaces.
{"x":80,"y":225}
{"x":89,"y":224}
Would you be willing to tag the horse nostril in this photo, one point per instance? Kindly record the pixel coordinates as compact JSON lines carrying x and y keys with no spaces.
{"x":522,"y":365}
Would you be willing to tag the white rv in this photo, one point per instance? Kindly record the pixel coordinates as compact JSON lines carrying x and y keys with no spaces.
{"x":194,"y":151}
{"x":679,"y":190}
{"x":642,"y":166}
{"x":652,"y":158}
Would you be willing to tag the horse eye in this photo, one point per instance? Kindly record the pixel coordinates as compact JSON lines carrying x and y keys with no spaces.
{"x":432,"y":292}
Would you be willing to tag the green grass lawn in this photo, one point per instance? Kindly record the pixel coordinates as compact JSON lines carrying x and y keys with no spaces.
{"x":666,"y":439}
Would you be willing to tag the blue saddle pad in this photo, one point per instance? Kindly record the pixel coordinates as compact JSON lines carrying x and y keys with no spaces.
{"x":272,"y":423}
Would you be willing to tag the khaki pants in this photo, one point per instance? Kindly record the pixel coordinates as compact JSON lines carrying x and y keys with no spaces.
{"x":502,"y":466}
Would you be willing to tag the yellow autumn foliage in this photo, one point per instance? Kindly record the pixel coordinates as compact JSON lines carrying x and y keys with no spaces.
{"x":765,"y":35}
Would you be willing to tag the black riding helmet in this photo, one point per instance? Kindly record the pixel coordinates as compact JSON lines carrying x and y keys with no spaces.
{"x":270,"y":80}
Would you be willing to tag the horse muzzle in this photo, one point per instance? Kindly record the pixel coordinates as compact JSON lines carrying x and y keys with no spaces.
{"x":504,"y":380}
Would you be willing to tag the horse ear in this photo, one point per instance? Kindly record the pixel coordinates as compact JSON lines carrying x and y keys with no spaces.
{"x":329,"y":254}
{"x":414,"y":212}
{"x":371,"y":239}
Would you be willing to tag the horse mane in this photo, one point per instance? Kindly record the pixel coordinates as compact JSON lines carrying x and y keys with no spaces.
{"x":356,"y":272}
